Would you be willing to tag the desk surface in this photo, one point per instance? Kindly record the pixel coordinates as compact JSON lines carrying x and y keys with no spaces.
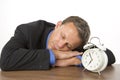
{"x":63,"y":73}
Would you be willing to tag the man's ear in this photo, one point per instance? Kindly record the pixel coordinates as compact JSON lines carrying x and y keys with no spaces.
{"x":59,"y":23}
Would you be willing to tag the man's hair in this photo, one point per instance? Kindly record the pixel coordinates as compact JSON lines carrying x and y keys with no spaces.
{"x":82,"y":27}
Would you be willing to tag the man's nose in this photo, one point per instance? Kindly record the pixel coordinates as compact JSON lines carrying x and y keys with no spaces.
{"x":61,"y":43}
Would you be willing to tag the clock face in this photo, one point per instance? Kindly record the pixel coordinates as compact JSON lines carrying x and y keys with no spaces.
{"x":94,"y":60}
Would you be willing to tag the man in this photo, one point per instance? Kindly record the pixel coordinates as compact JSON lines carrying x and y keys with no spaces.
{"x":42,"y":45}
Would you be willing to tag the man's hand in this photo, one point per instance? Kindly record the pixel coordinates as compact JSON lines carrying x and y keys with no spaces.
{"x":66,"y":54}
{"x":67,"y":62}
{"x":66,"y":58}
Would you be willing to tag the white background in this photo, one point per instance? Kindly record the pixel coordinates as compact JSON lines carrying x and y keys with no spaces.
{"x":103,"y":16}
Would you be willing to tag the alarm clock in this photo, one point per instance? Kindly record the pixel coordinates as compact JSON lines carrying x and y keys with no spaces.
{"x":94,"y":58}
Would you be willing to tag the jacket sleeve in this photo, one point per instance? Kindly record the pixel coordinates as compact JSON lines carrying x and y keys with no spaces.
{"x":16,"y":56}
{"x":111,"y":57}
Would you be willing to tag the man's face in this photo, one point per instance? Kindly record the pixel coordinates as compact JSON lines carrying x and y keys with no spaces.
{"x":64,"y":37}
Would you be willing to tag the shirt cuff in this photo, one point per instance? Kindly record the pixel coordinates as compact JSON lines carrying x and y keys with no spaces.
{"x":79,"y":57}
{"x":52,"y":57}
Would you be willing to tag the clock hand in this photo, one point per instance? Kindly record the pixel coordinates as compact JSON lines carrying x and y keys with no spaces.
{"x":89,"y":62}
{"x":90,"y":56}
{"x":90,"y":59}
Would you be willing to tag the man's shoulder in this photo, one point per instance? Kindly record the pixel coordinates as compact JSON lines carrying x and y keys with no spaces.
{"x":38,"y":23}
{"x":35,"y":25}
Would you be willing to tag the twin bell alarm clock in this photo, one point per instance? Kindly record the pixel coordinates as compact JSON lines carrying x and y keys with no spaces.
{"x":95,"y":58}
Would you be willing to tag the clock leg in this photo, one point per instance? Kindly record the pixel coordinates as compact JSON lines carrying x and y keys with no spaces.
{"x":99,"y":73}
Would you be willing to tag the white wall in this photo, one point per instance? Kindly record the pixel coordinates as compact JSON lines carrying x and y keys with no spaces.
{"x":103,"y":17}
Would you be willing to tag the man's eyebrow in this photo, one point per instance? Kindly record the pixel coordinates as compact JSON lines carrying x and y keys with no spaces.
{"x":68,"y":42}
{"x":69,"y":45}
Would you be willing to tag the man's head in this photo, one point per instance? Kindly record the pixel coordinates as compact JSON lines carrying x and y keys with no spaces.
{"x":69,"y":34}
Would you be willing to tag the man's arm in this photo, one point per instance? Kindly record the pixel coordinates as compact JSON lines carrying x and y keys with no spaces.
{"x":111,"y":57}
{"x":16,"y":56}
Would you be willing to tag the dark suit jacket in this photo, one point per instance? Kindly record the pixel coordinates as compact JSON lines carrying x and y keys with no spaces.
{"x":26,"y":50}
